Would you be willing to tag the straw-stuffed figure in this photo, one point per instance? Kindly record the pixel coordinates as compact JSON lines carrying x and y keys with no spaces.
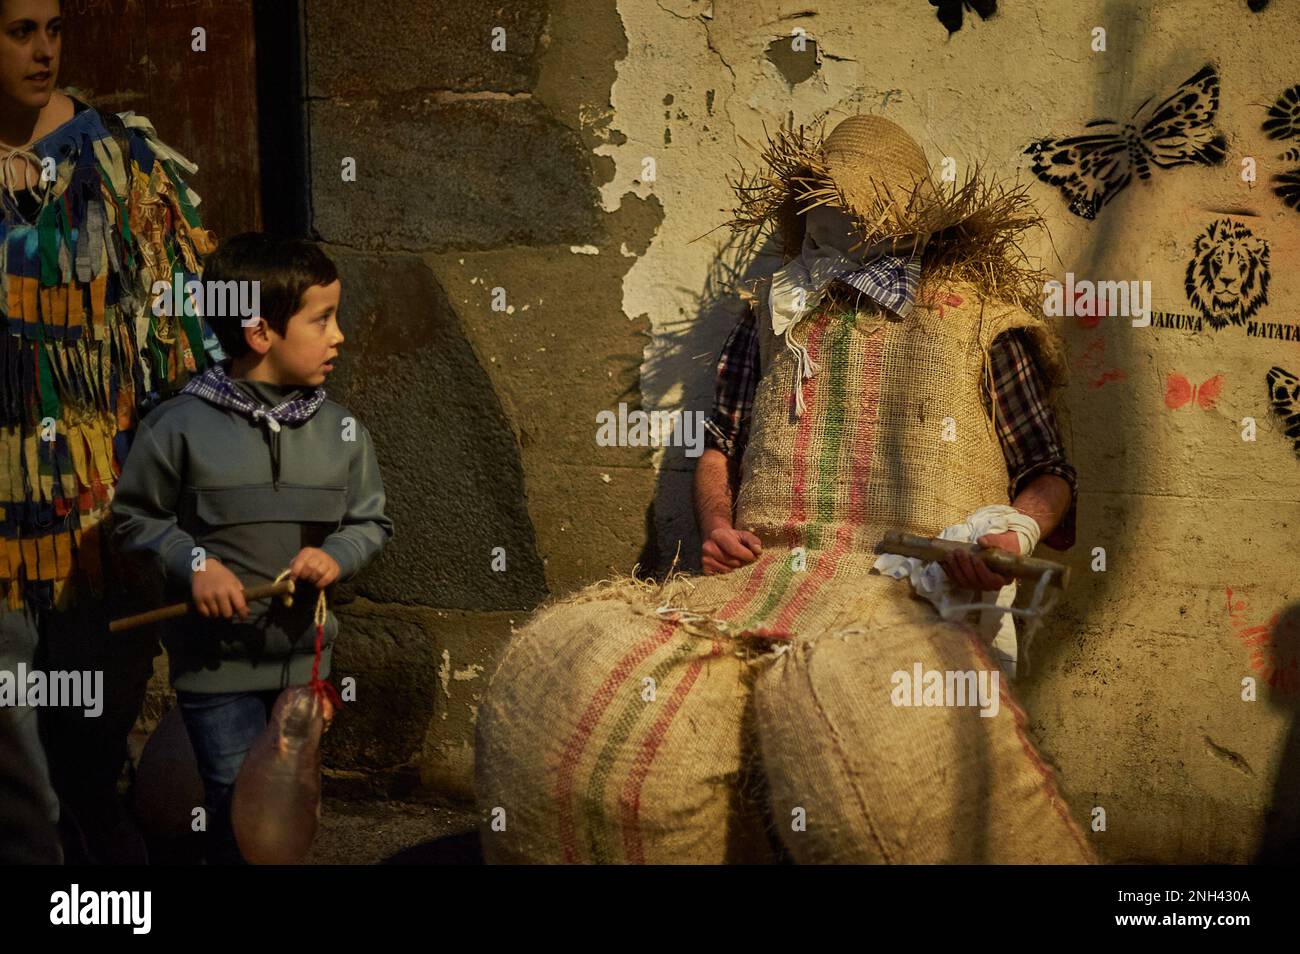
{"x":808,"y":697}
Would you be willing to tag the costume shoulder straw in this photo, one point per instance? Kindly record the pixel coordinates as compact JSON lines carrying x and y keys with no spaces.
{"x":871,"y":169}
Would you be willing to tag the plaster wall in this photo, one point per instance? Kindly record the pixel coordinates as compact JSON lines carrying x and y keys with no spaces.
{"x":526,"y":170}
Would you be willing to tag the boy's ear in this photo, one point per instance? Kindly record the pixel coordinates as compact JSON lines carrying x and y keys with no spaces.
{"x":257,"y":335}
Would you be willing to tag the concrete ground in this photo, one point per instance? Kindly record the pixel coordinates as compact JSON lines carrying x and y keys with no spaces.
{"x":356,"y":832}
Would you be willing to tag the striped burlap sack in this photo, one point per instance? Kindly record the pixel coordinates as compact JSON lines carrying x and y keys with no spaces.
{"x":574,"y":763}
{"x":894,"y":436}
{"x":870,"y":764}
{"x":613,"y":733}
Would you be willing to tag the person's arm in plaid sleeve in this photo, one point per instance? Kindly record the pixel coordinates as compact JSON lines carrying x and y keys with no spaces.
{"x":1042,"y":480}
{"x":726,"y":430}
{"x":727,"y":427}
{"x":1031,"y":442}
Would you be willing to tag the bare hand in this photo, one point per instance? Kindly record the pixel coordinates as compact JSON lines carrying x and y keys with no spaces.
{"x":217,"y":593}
{"x":972,"y":573}
{"x":314,"y":566}
{"x":726,"y":549}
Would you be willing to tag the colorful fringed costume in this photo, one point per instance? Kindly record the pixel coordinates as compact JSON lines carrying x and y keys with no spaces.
{"x":85,"y":351}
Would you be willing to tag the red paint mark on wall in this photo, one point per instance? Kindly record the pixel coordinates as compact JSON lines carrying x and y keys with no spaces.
{"x":1092,"y":364}
{"x":1179,"y":391}
{"x":1088,"y":316}
{"x":1272,"y":646}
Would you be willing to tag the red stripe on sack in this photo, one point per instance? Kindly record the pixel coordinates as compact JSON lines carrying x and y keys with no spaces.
{"x":587,"y":724}
{"x":866,"y":439}
{"x":803,"y":437}
{"x":601,"y":699}
{"x":630,"y":800}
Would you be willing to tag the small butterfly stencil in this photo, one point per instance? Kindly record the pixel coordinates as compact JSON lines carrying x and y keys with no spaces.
{"x":1284,"y":393}
{"x":1179,"y":391}
{"x":1091,"y":168}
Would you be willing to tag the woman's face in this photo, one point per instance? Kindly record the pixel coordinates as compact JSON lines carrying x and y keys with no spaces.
{"x":31,"y":38}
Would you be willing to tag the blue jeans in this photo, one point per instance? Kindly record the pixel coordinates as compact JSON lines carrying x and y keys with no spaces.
{"x":222,"y":727}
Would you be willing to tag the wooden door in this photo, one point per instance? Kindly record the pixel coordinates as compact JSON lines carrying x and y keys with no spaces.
{"x":140,"y":55}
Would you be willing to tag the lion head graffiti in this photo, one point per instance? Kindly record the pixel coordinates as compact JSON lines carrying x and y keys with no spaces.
{"x":1227,"y":278}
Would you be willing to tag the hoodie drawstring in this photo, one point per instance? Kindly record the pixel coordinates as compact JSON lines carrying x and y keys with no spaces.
{"x":261,"y":416}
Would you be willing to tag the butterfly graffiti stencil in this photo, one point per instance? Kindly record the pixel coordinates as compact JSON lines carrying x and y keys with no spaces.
{"x":1283,"y":123}
{"x":1091,"y":168}
{"x":1179,"y":391}
{"x":1284,"y":393}
{"x":951,"y":13}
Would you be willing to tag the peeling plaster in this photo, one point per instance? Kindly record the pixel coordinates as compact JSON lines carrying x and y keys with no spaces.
{"x":444,"y":675}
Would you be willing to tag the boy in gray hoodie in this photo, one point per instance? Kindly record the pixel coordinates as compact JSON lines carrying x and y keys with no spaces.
{"x":251,"y":470}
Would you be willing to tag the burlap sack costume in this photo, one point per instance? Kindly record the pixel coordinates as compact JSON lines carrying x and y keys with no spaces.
{"x":695,"y":720}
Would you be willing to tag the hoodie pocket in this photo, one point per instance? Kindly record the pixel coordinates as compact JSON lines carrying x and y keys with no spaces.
{"x":262,"y":503}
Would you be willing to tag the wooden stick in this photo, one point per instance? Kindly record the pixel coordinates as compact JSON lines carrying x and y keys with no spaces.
{"x":284,"y":587}
{"x":1008,"y":564}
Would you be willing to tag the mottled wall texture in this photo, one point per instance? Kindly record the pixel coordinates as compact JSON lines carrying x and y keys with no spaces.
{"x":527,"y":243}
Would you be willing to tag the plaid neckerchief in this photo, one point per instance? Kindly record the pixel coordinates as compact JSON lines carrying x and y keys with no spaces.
{"x":215,"y":387}
{"x":889,"y":280}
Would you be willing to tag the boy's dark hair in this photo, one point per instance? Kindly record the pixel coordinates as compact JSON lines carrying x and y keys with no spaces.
{"x":284,"y":268}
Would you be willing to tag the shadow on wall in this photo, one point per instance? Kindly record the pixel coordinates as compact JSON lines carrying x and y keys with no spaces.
{"x":1280,"y":841}
{"x":670,"y":519}
{"x":1109,"y":93}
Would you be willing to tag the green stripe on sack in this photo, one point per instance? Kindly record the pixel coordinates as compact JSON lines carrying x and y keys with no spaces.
{"x":593,"y":799}
{"x":832,"y":413}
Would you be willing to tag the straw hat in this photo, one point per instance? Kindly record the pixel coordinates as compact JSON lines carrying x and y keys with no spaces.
{"x":876,"y":172}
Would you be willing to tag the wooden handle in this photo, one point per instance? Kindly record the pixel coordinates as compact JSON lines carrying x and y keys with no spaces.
{"x":1008,"y":564}
{"x":180,"y":609}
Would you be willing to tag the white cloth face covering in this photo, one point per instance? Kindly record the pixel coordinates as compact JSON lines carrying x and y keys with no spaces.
{"x":827,"y":254}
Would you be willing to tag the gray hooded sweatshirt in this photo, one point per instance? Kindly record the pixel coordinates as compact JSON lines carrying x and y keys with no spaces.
{"x":201,"y":476}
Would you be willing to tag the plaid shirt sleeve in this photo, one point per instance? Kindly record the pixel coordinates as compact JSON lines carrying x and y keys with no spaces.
{"x":727,"y":427}
{"x":1026,"y":426}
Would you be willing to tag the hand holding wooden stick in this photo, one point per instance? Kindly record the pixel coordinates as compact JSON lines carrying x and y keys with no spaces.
{"x":283,"y":588}
{"x":932,"y":548}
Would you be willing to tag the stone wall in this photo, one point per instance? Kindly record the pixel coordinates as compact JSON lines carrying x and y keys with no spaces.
{"x":523,"y":173}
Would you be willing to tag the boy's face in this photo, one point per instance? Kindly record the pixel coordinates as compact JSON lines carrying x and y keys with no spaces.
{"x":306,"y":352}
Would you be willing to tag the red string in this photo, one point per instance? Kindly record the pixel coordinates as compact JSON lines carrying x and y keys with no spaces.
{"x":324,"y":690}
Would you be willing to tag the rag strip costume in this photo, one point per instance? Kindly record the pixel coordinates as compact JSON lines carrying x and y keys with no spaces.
{"x":84,"y":350}
{"x":809,"y":696}
{"x":82,"y":353}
